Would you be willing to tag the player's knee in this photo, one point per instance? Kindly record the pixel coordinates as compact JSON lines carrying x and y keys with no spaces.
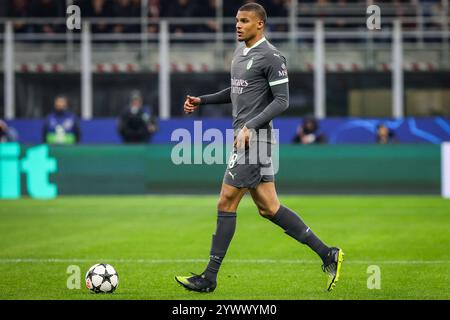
{"x":226,"y":203}
{"x":267,"y":212}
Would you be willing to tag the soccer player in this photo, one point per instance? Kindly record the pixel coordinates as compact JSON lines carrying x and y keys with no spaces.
{"x":259,"y":92}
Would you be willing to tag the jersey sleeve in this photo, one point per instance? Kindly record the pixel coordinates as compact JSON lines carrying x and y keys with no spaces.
{"x":279,"y":103}
{"x":220,"y":97}
{"x":275,"y":69}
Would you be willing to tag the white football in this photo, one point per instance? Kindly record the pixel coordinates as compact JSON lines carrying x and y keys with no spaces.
{"x":102,"y":278}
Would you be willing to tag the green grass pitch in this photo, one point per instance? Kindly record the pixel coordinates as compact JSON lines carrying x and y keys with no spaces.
{"x":151,"y":239}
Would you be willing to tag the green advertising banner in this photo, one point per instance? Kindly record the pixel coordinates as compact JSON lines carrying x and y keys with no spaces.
{"x":45,"y":172}
{"x":34,"y":164}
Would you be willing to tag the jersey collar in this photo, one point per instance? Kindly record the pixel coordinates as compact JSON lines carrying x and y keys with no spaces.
{"x":247,"y":50}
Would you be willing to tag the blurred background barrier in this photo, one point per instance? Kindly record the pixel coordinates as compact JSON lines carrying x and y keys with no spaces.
{"x":352,"y":93}
{"x":357,"y":169}
{"x":338,"y":66}
{"x":445,"y":170}
{"x":334,"y":130}
{"x":349,"y":84}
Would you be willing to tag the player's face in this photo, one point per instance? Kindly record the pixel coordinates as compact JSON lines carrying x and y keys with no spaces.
{"x":60,"y":104}
{"x":136,"y":102}
{"x":248,"y":25}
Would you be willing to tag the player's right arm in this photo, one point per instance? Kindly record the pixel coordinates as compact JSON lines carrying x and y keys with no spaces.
{"x":191,"y":103}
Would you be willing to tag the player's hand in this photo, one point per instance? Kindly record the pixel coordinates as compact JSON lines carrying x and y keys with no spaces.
{"x":3,"y":125}
{"x":191,"y":104}
{"x":243,"y":138}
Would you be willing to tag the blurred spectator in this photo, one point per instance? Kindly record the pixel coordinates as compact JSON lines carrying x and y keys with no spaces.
{"x":19,"y":9}
{"x":99,"y":9}
{"x":126,"y":9}
{"x":7,"y":134}
{"x":137,"y":123}
{"x":45,"y":9}
{"x":182,"y":9}
{"x":277,"y":8}
{"x":308,"y":133}
{"x":384,"y":135}
{"x":154,"y":11}
{"x":431,"y":9}
{"x":209,"y":10}
{"x":3,"y":11}
{"x":61,"y":126}
{"x":230,"y":7}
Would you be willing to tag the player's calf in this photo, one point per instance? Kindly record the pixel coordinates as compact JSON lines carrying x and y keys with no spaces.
{"x":294,"y":226}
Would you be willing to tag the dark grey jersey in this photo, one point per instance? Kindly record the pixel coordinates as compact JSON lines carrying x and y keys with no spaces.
{"x":259,"y":88}
{"x":255,"y":72}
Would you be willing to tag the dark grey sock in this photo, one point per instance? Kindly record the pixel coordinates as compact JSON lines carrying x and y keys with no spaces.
{"x":226,"y":225}
{"x":294,"y":226}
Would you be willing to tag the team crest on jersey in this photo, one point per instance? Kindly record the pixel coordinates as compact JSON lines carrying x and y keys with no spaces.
{"x":249,"y":64}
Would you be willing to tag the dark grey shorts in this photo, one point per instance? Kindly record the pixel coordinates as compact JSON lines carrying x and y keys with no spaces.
{"x":248,"y":173}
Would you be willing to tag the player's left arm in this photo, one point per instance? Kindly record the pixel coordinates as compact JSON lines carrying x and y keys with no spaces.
{"x":277,"y":76}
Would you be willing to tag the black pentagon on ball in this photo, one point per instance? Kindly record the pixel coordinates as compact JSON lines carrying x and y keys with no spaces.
{"x":105,"y":278}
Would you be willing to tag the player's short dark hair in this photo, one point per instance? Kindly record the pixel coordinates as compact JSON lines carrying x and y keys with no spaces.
{"x":256,"y":8}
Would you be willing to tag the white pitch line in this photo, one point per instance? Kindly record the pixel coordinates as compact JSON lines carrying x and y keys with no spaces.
{"x":239,"y":261}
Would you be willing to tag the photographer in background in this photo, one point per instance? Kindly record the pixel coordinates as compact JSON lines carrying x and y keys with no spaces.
{"x":308,"y":133}
{"x":7,"y":134}
{"x":61,"y":126}
{"x":384,"y":135}
{"x":136,"y":123}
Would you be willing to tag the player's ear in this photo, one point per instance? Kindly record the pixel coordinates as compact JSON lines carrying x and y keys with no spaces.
{"x":260,"y":24}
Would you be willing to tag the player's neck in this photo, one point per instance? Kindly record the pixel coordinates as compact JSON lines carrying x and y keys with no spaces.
{"x":250,"y":43}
